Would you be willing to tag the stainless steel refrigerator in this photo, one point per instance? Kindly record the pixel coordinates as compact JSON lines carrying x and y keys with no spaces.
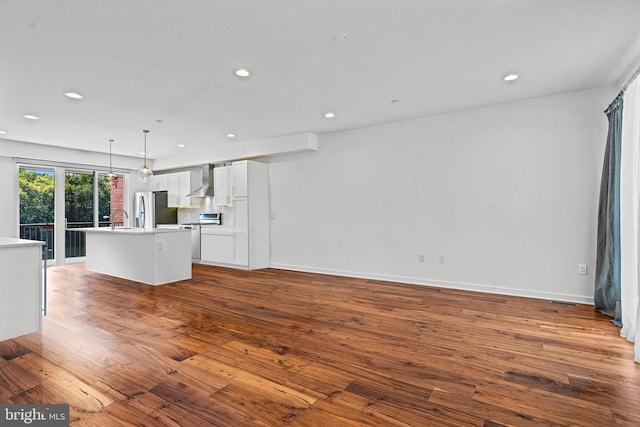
{"x":144,"y":210}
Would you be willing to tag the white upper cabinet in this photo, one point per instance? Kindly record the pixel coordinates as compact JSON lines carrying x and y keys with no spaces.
{"x":173,"y":190}
{"x":230,"y":182}
{"x":159,"y":183}
{"x":178,"y":186}
{"x":240,"y":179}
{"x":222,"y":185}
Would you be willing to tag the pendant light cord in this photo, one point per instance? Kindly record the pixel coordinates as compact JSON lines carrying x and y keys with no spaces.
{"x":145,"y":173}
{"x":110,"y":162}
{"x":145,"y":147}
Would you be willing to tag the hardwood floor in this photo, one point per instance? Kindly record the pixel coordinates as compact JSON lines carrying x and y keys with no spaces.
{"x":273,"y":347}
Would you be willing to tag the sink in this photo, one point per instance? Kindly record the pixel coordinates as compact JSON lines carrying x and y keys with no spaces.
{"x":129,"y":229}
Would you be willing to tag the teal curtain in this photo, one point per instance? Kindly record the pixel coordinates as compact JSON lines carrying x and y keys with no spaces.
{"x":607,"y":285}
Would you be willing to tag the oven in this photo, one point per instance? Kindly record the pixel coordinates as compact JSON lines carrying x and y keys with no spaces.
{"x":205,"y":219}
{"x":214,"y":218}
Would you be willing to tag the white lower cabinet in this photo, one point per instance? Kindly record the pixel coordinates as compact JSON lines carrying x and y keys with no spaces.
{"x":241,"y":235}
{"x":217,"y":246}
{"x":241,"y":248}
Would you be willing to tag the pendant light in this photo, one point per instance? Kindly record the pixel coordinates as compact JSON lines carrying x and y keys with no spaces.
{"x":111,"y":175}
{"x":145,"y":173}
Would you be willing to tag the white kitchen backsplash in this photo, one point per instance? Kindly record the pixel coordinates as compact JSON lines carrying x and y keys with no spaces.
{"x":192,"y":215}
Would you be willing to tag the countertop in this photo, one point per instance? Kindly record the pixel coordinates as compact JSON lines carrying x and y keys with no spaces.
{"x":204,"y":228}
{"x":216,"y":229}
{"x":11,"y":242}
{"x":127,"y":230}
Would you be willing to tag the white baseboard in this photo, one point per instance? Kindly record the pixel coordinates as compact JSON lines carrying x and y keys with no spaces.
{"x":580,"y":299}
{"x":223,"y":264}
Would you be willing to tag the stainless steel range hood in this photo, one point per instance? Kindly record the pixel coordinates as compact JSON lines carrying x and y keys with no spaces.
{"x":206,"y":189}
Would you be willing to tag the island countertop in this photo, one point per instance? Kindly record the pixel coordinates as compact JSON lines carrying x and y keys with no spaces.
{"x":11,"y":242}
{"x":133,"y":230}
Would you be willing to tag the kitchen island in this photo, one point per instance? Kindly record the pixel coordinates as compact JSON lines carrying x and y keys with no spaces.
{"x":20,"y":287}
{"x":154,"y":257}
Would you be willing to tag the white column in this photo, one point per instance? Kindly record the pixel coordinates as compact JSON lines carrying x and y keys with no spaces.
{"x":60,"y":220}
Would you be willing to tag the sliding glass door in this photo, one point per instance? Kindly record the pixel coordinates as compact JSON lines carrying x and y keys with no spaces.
{"x":79,"y":204}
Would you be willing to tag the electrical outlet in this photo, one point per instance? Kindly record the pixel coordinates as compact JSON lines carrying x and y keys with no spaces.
{"x":421,"y":258}
{"x":582,"y":269}
{"x":441,"y":259}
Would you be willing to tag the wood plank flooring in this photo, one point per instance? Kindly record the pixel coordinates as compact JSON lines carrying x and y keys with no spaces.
{"x":273,"y":347}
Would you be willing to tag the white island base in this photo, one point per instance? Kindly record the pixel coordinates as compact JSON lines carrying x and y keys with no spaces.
{"x":20,"y":287}
{"x":154,"y":257}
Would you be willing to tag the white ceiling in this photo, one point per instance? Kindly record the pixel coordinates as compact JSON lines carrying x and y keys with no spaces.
{"x":141,"y":61}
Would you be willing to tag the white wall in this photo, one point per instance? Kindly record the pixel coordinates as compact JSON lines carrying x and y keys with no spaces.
{"x":507,"y":194}
{"x":9,"y":196}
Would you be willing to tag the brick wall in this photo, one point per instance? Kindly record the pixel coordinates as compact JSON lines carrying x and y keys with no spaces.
{"x":117,"y":198}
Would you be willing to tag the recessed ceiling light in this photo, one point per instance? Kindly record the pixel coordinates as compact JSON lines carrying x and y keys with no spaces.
{"x":231,"y":135}
{"x":3,"y":131}
{"x":242,"y":72}
{"x":74,"y":95}
{"x":30,"y":117}
{"x":340,"y":37}
{"x":510,"y":77}
{"x":181,"y":145}
{"x":329,"y":115}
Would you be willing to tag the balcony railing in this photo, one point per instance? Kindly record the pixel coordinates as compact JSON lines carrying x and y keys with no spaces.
{"x":40,"y":231}
{"x":74,"y":237}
